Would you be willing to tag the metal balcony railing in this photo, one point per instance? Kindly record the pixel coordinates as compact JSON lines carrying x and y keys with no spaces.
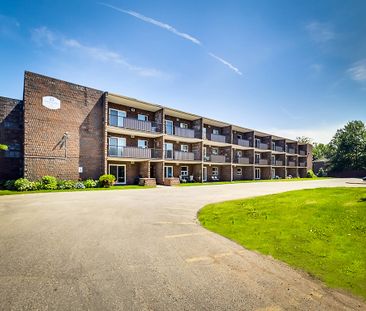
{"x":242,"y":160}
{"x":302,"y":164}
{"x":278,"y":149}
{"x":134,"y":152}
{"x":134,"y":124}
{"x":183,"y":132}
{"x":218,"y":138}
{"x":291,"y":163}
{"x":302,"y":152}
{"x":291,"y":150}
{"x":184,"y":156}
{"x":278,"y":163}
{"x":261,"y":146}
{"x":243,"y":142}
{"x":216,"y":158}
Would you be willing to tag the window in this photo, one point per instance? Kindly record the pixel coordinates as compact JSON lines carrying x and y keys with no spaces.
{"x":238,"y":136}
{"x":257,"y":173}
{"x":239,"y":153}
{"x":257,"y":157}
{"x":273,"y":146}
{"x":273,"y":173}
{"x":273,"y":160}
{"x":215,"y":171}
{"x":184,"y":125}
{"x":116,"y":117}
{"x":184,"y":171}
{"x":169,"y":127}
{"x":168,"y":171}
{"x":141,"y":143}
{"x":184,"y":148}
{"x":215,"y":151}
{"x":204,"y":130}
{"x":215,"y":131}
{"x":118,"y":171}
{"x":142,"y":117}
{"x":14,"y":151}
{"x":168,"y":147}
{"x":257,"y":142}
{"x":239,"y":171}
{"x":116,"y":145}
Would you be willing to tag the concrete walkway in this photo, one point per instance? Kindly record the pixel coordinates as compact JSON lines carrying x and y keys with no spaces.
{"x":143,"y":250}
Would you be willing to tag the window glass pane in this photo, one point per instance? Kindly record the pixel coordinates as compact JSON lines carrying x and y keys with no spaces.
{"x":142,"y":117}
{"x":142,"y":143}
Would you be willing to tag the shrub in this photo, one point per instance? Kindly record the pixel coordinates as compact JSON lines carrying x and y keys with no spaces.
{"x":49,"y":183}
{"x":22,"y":184}
{"x":107,"y":180}
{"x":9,"y":185}
{"x":90,"y":183}
{"x":322,"y":172}
{"x":79,"y":185}
{"x":310,"y":174}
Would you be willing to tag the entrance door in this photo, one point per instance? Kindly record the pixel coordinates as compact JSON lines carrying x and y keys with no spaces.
{"x":116,"y":146}
{"x":168,"y":150}
{"x":257,"y":173}
{"x":204,"y":175}
{"x":168,"y":171}
{"x":118,"y":171}
{"x":169,"y":127}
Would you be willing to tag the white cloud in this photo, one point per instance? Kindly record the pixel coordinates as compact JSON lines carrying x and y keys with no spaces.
{"x":357,"y":71}
{"x":156,"y":23}
{"x":44,"y":36}
{"x":173,"y":30}
{"x":321,"y":134}
{"x":320,"y":32}
{"x":226,"y":63}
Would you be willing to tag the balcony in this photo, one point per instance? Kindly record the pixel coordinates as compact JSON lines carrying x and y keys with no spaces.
{"x":262,"y":146}
{"x":134,"y":124}
{"x":216,"y":158}
{"x":184,"y":132}
{"x":242,"y":160}
{"x":278,"y":163}
{"x":302,"y":164}
{"x":302,"y":152}
{"x":243,"y":142}
{"x":291,"y":163}
{"x":134,"y":152}
{"x":180,"y":155}
{"x":218,"y":138}
{"x":278,"y":149}
{"x":261,"y":161}
{"x":291,"y":150}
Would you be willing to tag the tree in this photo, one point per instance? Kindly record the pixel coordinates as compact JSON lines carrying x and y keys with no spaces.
{"x":304,"y":140}
{"x":321,"y":151}
{"x":3,"y":147}
{"x":348,"y":147}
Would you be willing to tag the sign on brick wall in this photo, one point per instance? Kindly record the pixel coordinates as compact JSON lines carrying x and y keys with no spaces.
{"x":51,"y":102}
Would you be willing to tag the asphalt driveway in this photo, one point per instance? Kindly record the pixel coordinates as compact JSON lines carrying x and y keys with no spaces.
{"x":144,"y":250}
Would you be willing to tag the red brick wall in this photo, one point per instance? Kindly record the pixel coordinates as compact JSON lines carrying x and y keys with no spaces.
{"x":81,"y":115}
{"x":11,"y":134}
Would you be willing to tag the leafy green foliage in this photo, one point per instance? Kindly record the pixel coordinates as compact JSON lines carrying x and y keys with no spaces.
{"x":322,"y":172}
{"x":107,"y":180}
{"x":23,"y":184}
{"x":322,"y":231}
{"x":304,"y":140}
{"x":90,"y":183}
{"x":3,"y":147}
{"x":348,"y":147}
{"x":49,"y":182}
{"x":310,"y":174}
{"x":9,"y":185}
{"x":321,"y":151}
{"x":79,"y":185}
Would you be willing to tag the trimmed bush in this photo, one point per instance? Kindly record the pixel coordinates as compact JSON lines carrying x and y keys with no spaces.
{"x":322,"y":172}
{"x":310,"y":174}
{"x":23,"y":184}
{"x":49,"y":183}
{"x":107,"y":180}
{"x":90,"y":183}
{"x":79,"y":185}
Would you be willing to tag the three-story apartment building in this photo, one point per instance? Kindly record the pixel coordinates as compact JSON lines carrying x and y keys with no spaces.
{"x":72,"y":132}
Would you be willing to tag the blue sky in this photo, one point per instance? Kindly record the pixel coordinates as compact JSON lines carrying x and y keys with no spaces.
{"x":289,"y":67}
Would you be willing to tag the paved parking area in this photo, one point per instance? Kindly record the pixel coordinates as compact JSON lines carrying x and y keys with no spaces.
{"x":144,"y":250}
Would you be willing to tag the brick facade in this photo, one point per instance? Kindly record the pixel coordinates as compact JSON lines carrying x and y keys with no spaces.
{"x":11,"y":134}
{"x":58,"y":142}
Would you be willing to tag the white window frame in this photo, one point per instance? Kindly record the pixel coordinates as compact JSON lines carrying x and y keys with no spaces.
{"x":204,"y":173}
{"x":121,"y":114}
{"x":184,"y":172}
{"x":171,"y":125}
{"x":215,"y":171}
{"x":257,"y":176}
{"x":257,"y":156}
{"x":142,"y":117}
{"x":109,"y":171}
{"x":184,"y":148}
{"x":121,"y":142}
{"x":215,"y":132}
{"x":216,"y":152}
{"x":166,"y":168}
{"x":183,"y":125}
{"x":273,"y":146}
{"x":273,"y":159}
{"x":166,"y":150}
{"x":144,"y":143}
{"x":239,"y":171}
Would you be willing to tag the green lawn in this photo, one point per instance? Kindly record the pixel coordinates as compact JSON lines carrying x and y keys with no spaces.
{"x":248,"y":181}
{"x":126,"y":187}
{"x":322,"y":231}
